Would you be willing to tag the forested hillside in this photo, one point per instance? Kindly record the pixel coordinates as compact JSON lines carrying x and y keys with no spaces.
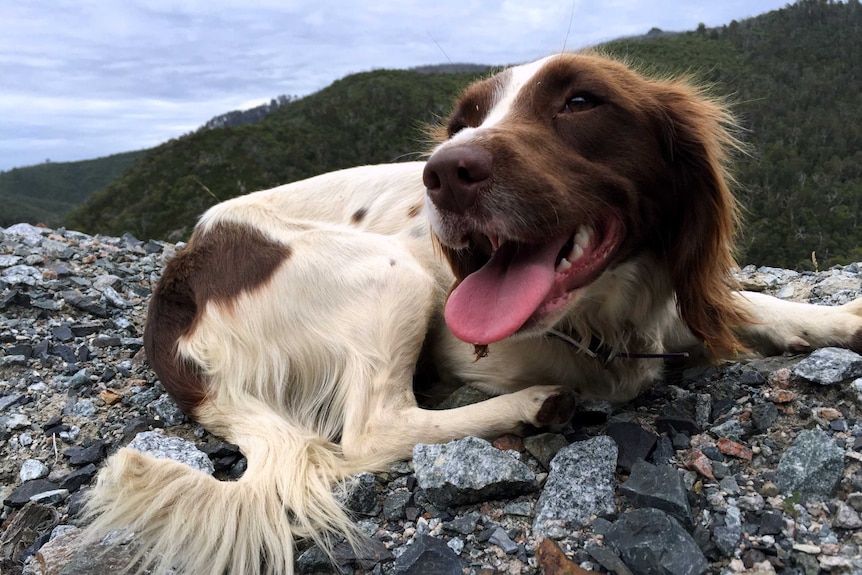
{"x":47,"y":192}
{"x":795,"y":76}
{"x":364,"y":118}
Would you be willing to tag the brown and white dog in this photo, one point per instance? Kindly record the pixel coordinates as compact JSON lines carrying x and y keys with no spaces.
{"x":574,"y":220}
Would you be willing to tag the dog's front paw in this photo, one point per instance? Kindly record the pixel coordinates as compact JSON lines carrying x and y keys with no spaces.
{"x":553,"y":405}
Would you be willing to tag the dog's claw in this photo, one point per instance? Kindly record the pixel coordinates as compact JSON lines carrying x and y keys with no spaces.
{"x":557,"y":408}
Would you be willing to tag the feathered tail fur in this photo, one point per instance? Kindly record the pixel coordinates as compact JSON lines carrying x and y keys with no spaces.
{"x":192,"y":522}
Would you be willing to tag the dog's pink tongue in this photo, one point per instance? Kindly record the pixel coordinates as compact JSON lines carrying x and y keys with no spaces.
{"x":494,"y":302}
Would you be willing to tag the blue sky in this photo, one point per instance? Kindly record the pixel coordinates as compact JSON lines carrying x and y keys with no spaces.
{"x":81,"y":79}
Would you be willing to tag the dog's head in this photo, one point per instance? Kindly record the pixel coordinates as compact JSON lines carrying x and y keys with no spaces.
{"x":550,"y":174}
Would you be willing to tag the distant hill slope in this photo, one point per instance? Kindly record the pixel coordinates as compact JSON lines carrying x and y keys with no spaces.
{"x":794,"y":75}
{"x":371,"y":117}
{"x":47,"y":192}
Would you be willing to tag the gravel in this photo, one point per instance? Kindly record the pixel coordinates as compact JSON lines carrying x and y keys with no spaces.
{"x":746,"y":467}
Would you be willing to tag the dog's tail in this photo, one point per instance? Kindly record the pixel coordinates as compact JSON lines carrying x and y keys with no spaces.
{"x":188,"y":520}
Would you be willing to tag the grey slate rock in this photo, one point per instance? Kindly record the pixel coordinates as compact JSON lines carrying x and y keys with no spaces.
{"x":679,"y":416}
{"x":52,"y":497}
{"x":660,"y":487}
{"x":812,"y":466}
{"x":83,"y":303}
{"x":80,"y":456}
{"x":465,"y":524}
{"x":358,"y":494}
{"x":545,"y":446}
{"x":157,"y":445}
{"x":580,"y":484}
{"x":74,"y":480}
{"x":427,"y":555}
{"x":26,"y":491}
{"x":469,"y":470}
{"x":105,"y":340}
{"x":652,"y":542}
{"x":62,"y":332}
{"x":633,"y":441}
{"x":166,"y":409}
{"x":609,"y":560}
{"x":829,"y":365}
{"x":9,"y":400}
{"x":771,"y":522}
{"x":726,"y":538}
{"x":501,"y":539}
{"x":763,"y":415}
{"x":395,"y":505}
{"x":752,"y":377}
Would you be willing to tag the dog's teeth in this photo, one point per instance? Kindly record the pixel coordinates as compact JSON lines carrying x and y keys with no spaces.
{"x":563,"y":265}
{"x":582,"y":238}
{"x":575,"y":254}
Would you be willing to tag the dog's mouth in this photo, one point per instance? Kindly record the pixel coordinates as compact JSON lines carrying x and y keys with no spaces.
{"x":523,"y":285}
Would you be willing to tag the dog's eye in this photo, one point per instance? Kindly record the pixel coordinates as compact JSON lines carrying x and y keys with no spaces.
{"x":581,"y":103}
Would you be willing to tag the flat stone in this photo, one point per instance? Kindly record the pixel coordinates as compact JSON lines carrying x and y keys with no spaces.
{"x":633,"y":442}
{"x":15,"y":421}
{"x":395,"y":505}
{"x":763,"y":415}
{"x":104,"y":340}
{"x":651,"y":541}
{"x":74,"y":480}
{"x":86,"y":304}
{"x":52,"y":497}
{"x":427,"y":555}
{"x":501,"y":539}
{"x":660,"y":487}
{"x":25,"y":492}
{"x":162,"y":447}
{"x":726,"y":538}
{"x":812,"y":466}
{"x":771,"y":523}
{"x":464,"y":524}
{"x":829,"y":365}
{"x":679,"y":416}
{"x":62,"y":333}
{"x":581,"y":484}
{"x":80,"y":456}
{"x":469,"y":470}
{"x":545,"y":446}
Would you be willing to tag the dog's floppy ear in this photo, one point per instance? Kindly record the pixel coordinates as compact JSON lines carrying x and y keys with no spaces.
{"x":698,"y":139}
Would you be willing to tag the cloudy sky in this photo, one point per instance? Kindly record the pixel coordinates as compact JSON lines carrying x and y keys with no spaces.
{"x":81,"y":79}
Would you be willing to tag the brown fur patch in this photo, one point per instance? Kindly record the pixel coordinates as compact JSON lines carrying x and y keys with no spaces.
{"x":217,"y":265}
{"x":358,"y":216}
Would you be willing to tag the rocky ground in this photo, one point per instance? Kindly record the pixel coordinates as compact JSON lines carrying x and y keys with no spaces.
{"x":750,"y":467}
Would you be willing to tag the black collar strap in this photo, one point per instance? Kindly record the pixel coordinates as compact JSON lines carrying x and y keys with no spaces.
{"x":605,"y":354}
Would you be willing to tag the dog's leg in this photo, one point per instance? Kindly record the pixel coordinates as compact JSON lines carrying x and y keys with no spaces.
{"x":782,"y":326}
{"x":383,"y":421}
{"x":392,"y":432}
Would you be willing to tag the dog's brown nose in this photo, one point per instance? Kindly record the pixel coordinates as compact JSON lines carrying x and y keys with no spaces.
{"x":455,"y":174}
